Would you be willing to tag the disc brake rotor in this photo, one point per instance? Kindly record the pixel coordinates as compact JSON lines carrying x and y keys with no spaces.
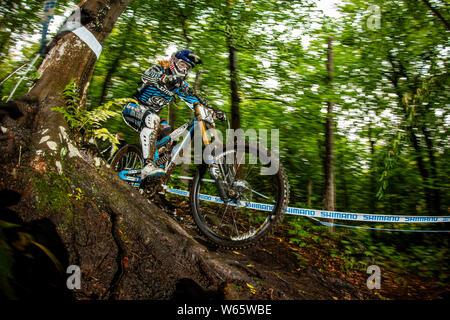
{"x":240,"y":190}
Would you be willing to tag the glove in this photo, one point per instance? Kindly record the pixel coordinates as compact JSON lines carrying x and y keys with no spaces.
{"x":220,"y":115}
{"x":172,"y":81}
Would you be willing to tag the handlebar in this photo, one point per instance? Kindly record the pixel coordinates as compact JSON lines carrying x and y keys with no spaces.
{"x":218,"y":114}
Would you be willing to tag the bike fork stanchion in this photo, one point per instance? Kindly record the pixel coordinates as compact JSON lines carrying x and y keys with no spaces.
{"x":214,"y":170}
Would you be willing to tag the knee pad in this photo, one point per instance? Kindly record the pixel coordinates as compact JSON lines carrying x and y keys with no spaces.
{"x":132,"y":115}
{"x":150,"y":120}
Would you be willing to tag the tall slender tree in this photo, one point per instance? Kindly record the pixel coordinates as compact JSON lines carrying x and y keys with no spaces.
{"x":329,"y":201}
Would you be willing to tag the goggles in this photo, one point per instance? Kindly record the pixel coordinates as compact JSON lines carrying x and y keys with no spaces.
{"x":183,"y":66}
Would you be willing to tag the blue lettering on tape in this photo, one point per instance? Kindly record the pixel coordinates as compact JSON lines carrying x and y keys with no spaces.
{"x":217,"y":199}
{"x":325,"y":214}
{"x":180,"y":192}
{"x":205,"y":197}
{"x":302,"y":212}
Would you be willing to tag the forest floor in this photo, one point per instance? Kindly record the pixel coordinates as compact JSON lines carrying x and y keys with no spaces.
{"x":315,"y":273}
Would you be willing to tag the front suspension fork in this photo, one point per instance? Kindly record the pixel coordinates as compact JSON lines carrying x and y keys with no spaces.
{"x":214,"y":170}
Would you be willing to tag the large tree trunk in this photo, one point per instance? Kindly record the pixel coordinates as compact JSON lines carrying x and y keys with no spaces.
{"x":329,"y":201}
{"x":233,"y":67}
{"x":71,"y":52}
{"x":4,"y":44}
{"x":422,"y":169}
{"x":343,"y":177}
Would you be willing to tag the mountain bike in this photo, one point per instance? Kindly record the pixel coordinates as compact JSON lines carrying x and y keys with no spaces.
{"x":234,"y":202}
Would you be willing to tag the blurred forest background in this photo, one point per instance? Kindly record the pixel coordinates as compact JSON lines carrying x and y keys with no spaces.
{"x":372,"y":74}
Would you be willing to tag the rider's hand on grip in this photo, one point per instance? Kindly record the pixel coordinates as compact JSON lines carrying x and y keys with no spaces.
{"x":204,"y":102}
{"x":220,"y":115}
{"x":172,"y":81}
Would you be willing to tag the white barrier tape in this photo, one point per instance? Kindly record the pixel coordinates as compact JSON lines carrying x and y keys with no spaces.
{"x":324,"y":214}
{"x":87,"y":37}
{"x":190,"y":178}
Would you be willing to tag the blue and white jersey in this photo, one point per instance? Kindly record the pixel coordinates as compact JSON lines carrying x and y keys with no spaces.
{"x":156,"y":93}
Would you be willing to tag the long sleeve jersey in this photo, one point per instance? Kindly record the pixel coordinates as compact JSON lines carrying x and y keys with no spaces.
{"x":155,"y":93}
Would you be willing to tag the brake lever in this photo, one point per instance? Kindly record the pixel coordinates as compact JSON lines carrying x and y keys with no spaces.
{"x":206,"y":104}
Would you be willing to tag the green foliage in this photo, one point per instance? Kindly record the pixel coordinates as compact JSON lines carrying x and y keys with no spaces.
{"x":402,"y":253}
{"x":19,"y":22}
{"x":410,"y":103}
{"x":303,"y":232}
{"x":86,"y":123}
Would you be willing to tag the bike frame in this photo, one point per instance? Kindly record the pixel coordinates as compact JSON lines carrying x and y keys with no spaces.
{"x":199,"y":120}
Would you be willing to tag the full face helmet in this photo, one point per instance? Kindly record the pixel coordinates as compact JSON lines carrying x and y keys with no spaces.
{"x":183,"y":61}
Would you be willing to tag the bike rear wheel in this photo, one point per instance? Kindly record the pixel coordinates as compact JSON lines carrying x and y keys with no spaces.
{"x":259,"y":200}
{"x":129,"y":157}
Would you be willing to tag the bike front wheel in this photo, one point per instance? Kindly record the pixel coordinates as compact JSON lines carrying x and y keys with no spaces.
{"x":257,"y":197}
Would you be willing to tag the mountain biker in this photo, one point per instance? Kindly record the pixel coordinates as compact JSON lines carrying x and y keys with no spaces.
{"x":159,"y":85}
